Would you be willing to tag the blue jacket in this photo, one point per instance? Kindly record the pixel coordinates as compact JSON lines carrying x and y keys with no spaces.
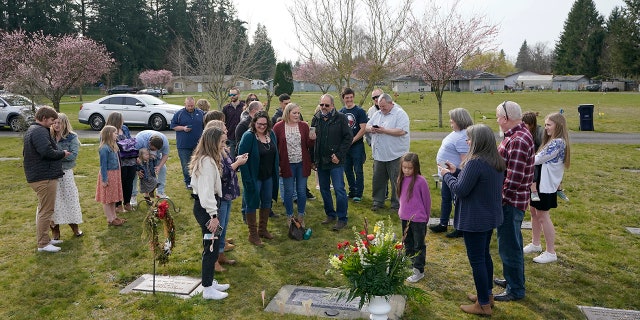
{"x":249,"y":171}
{"x":478,"y":196}
{"x":108,"y":161}
{"x":71,"y":144}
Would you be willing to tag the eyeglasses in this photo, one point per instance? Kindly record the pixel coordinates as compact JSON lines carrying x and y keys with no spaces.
{"x":504,"y":106}
{"x":232,"y":94}
{"x":252,"y":99}
{"x":263,"y":124}
{"x":375,"y":97}
{"x":324,"y":105}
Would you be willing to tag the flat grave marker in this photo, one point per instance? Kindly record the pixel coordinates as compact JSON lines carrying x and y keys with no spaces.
{"x":184,"y":287}
{"x":598,"y":313}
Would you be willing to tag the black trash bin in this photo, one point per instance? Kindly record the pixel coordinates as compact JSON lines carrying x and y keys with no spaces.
{"x":586,"y":117}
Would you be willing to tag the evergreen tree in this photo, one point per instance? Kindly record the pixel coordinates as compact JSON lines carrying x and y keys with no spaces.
{"x":523,"y":62}
{"x":621,"y":58}
{"x":283,"y":79}
{"x":581,"y":41}
{"x":265,"y":60}
{"x":54,"y":17}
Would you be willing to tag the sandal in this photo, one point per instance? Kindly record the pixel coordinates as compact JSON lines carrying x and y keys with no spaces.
{"x":116,"y":222}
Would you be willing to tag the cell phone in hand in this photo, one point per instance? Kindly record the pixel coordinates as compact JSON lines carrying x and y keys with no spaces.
{"x":312,"y":129}
{"x":376,"y":126}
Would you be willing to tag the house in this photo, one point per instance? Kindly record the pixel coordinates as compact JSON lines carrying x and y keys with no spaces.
{"x":569,"y":83}
{"x":476,"y":81}
{"x":511,"y":81}
{"x":410,"y":84}
{"x":535,"y":82}
{"x":199,"y":83}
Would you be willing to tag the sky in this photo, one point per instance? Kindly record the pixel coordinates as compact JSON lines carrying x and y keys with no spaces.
{"x":518,"y":20}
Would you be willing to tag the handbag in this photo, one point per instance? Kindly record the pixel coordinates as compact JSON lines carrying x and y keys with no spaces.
{"x":296,"y":231}
{"x":127,"y":148}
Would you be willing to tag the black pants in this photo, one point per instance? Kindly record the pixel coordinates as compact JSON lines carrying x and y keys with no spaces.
{"x":209,"y":252}
{"x":414,"y":243}
{"x":127,"y":174}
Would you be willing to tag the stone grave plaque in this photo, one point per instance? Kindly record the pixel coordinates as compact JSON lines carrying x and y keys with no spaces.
{"x":526,"y":225}
{"x":598,"y":313}
{"x":434,"y":220}
{"x":634,"y":230}
{"x":177,"y":285}
{"x":324,"y":302}
{"x":9,"y":159}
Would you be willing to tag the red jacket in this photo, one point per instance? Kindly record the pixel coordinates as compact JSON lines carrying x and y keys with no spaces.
{"x":307,"y":147}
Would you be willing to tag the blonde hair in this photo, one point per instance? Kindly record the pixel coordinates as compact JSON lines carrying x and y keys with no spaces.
{"x":561,"y":132}
{"x":203,"y":105}
{"x":106,"y":138}
{"x":216,"y":124}
{"x":115,"y":119}
{"x":65,"y":126}
{"x":142,"y":152}
{"x":286,"y":113}
{"x":208,"y":146}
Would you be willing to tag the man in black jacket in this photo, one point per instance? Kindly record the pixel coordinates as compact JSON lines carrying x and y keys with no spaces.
{"x":333,"y":139}
{"x":42,"y":167}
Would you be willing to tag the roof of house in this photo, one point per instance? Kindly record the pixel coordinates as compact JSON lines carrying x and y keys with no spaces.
{"x":569,"y":78}
{"x":474,"y":75}
{"x":536,"y":78}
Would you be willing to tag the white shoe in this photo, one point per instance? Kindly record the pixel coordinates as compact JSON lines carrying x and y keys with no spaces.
{"x":49,"y":248}
{"x":54,"y":241}
{"x":546,"y":257}
{"x":213,"y":294}
{"x":220,"y":287}
{"x":162,"y":196}
{"x":417,"y":275}
{"x":531,"y":248}
{"x":535,"y":196}
{"x":133,"y":202}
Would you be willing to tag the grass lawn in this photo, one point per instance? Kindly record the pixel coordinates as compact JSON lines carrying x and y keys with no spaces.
{"x":598,"y":259}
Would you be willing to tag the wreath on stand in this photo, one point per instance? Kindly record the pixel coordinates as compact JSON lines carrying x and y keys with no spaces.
{"x":159,"y":214}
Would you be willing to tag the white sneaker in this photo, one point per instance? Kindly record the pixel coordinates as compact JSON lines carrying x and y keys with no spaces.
{"x":220,"y":287}
{"x":531,"y":248}
{"x":54,"y":241}
{"x":162,"y":196}
{"x":49,"y":248}
{"x":133,"y":202}
{"x":417,"y":275}
{"x":546,"y":257}
{"x":213,"y":294}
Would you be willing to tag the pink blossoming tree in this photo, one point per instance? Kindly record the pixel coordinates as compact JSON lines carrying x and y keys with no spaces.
{"x":50,"y":65}
{"x":318,"y":73}
{"x":156,"y":78}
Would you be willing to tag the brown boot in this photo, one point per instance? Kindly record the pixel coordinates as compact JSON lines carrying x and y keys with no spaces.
{"x":264,"y":221}
{"x":55,"y":232}
{"x":219,"y":268}
{"x":476,"y":308}
{"x":474,"y":298}
{"x":222,"y":259}
{"x":76,"y":231}
{"x":253,"y":229}
{"x":228,"y":246}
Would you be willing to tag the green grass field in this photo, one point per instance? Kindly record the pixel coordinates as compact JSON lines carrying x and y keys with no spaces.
{"x":598,"y":259}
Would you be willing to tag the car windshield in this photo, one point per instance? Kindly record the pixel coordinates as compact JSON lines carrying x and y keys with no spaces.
{"x":16,"y":100}
{"x":150,"y":100}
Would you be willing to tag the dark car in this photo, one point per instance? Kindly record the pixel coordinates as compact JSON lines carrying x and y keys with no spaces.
{"x":593,"y":87}
{"x":123,"y":88}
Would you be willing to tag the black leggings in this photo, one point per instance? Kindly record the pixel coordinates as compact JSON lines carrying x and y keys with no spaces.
{"x":209,"y":257}
{"x":127,"y":174}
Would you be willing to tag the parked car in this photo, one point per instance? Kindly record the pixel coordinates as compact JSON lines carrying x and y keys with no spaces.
{"x":16,"y":111}
{"x":137,"y":110}
{"x":594,"y":87}
{"x":123,"y":88}
{"x":156,"y":92}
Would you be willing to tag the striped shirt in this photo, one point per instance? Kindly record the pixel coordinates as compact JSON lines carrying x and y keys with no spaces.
{"x":517,"y":151}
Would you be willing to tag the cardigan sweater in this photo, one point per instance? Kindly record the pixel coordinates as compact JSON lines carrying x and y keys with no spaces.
{"x":307,"y":148}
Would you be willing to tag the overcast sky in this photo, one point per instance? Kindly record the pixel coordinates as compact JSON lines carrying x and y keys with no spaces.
{"x":518,"y":20}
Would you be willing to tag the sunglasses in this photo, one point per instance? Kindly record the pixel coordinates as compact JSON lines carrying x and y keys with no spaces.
{"x":504,"y":106}
{"x":375,"y":97}
{"x":324,"y":105}
{"x":232,"y":94}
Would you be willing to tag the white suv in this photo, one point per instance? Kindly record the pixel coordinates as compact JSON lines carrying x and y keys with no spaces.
{"x":16,"y":111}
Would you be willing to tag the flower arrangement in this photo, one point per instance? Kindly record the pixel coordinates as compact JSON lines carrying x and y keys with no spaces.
{"x":374,"y":265}
{"x":159,"y":213}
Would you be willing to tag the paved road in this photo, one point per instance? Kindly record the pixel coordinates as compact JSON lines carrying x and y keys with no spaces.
{"x":576,"y":137}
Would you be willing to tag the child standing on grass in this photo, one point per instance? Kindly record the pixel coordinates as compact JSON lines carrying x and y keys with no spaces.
{"x":415,"y":209}
{"x":147,"y":174}
{"x":109,"y":186}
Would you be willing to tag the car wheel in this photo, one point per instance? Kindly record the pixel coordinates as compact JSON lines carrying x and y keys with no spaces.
{"x":157,"y":122}
{"x":17,"y":123}
{"x":96,"y":122}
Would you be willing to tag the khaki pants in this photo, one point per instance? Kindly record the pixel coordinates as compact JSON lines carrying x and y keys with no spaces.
{"x":46,"y":192}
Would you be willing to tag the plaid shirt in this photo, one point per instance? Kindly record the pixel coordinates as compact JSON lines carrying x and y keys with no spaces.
{"x":517,"y":150}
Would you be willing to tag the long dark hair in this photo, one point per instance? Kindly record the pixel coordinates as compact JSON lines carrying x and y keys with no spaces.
{"x":483,"y":146}
{"x":415,"y":161}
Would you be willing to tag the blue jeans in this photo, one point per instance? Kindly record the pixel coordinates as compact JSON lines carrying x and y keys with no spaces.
{"x":477,"y":244}
{"x":510,"y":249}
{"x":353,"y":169}
{"x":264,"y":187}
{"x":295,"y":192}
{"x":185,"y":158}
{"x":334,"y":176}
{"x":298,"y":183}
{"x":232,"y":148}
{"x":162,"y":182}
{"x":414,"y":243}
{"x":224,"y":212}
{"x":446,"y":205}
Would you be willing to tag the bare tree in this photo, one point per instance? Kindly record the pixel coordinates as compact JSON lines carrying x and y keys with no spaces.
{"x":221,"y":55}
{"x":177,"y":57}
{"x":441,"y":40}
